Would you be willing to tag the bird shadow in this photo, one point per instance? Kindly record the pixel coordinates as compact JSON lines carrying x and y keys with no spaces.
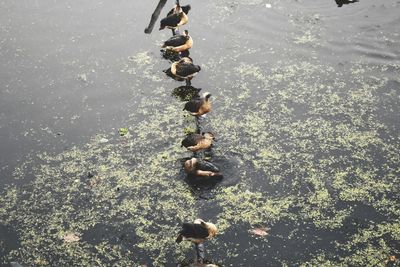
{"x":173,"y":56}
{"x":340,"y":3}
{"x":185,"y":93}
{"x":154,"y":16}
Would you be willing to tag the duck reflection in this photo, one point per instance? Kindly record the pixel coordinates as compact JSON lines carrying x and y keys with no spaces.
{"x":340,"y":3}
{"x":186,"y":93}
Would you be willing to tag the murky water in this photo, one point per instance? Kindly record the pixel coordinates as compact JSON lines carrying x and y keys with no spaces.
{"x":306,"y":114}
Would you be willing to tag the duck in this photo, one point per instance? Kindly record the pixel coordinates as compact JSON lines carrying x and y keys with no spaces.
{"x":197,"y":232}
{"x":200,"y":168}
{"x":179,"y":43}
{"x":199,"y":106}
{"x":184,"y":69}
{"x":195,"y":142}
{"x":174,"y":20}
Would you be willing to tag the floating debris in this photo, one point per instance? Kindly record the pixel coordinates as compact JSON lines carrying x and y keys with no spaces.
{"x":83,"y":77}
{"x":262,"y":231}
{"x":71,"y":237}
{"x":123,"y":131}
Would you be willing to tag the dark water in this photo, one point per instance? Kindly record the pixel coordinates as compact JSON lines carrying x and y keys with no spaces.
{"x":306,"y":113}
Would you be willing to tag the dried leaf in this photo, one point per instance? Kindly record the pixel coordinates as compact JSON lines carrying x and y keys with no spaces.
{"x":71,"y":237}
{"x":262,"y":231}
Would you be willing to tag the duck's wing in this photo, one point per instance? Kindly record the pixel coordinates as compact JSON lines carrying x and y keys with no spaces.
{"x":186,"y":69}
{"x":193,"y":105}
{"x":207,"y":166}
{"x":191,"y":140}
{"x":171,"y":12}
{"x":176,"y":40}
{"x":194,"y":230}
{"x":171,"y":20}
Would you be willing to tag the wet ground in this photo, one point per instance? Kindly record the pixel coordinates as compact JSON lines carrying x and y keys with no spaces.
{"x":306,"y":114}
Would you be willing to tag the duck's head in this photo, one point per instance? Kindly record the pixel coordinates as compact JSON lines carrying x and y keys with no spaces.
{"x":186,"y":8}
{"x":190,"y":165}
{"x":207,"y":95}
{"x":212,"y":229}
{"x":209,"y":135}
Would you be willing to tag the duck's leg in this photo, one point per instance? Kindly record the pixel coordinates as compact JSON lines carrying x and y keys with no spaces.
{"x":188,"y":82}
{"x":208,"y":153}
{"x":173,"y":32}
{"x":200,"y":251}
{"x":198,"y":126}
{"x":197,"y":154}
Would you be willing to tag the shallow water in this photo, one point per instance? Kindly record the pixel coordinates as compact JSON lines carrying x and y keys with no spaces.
{"x":306,"y":104}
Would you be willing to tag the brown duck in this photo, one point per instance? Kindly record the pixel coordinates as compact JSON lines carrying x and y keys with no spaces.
{"x":197,"y":232}
{"x":196,"y":167}
{"x":175,"y":19}
{"x":179,"y":43}
{"x":195,"y":142}
{"x":199,"y":106}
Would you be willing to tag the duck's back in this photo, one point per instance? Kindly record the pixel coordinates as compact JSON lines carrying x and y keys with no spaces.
{"x":176,"y":40}
{"x":186,"y":69}
{"x":191,"y":140}
{"x":207,"y":166}
{"x":194,"y":230}
{"x":193,"y":105}
{"x":171,"y":20}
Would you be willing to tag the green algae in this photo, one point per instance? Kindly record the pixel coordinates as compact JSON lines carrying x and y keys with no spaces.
{"x":240,"y":205}
{"x":123,"y":131}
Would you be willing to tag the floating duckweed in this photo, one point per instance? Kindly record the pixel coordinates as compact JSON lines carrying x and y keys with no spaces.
{"x":316,"y":157}
{"x":242,"y":205}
